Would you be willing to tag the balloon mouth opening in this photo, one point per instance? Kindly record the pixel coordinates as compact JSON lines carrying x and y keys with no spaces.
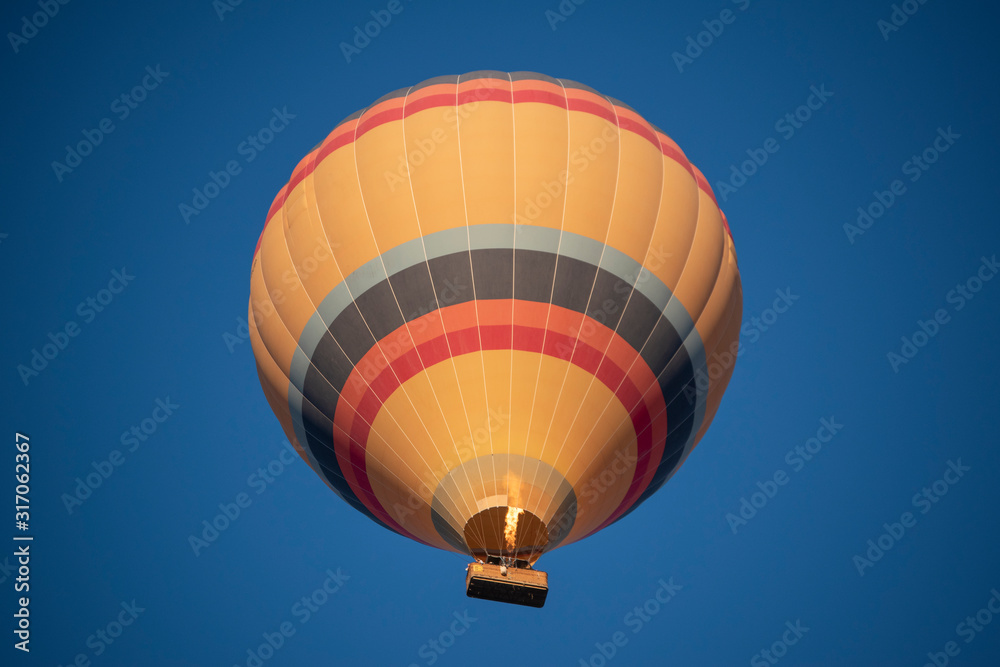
{"x":506,"y":533}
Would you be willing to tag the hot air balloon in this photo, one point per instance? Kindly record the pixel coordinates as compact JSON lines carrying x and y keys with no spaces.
{"x":495,"y":313}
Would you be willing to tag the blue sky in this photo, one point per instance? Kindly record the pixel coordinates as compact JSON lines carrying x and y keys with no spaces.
{"x":154,"y":340}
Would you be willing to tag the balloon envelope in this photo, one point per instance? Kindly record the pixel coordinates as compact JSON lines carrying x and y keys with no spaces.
{"x":495,"y":312}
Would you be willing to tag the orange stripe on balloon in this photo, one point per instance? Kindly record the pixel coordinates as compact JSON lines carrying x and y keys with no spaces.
{"x":392,"y":110}
{"x":636,"y":389}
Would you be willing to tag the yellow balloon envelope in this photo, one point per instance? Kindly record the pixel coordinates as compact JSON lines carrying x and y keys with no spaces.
{"x":495,"y":312}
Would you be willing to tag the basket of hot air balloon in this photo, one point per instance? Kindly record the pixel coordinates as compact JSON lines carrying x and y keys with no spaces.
{"x":495,"y":313}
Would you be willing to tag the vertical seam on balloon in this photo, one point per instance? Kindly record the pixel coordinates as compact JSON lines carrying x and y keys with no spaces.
{"x":683,"y":341}
{"x":430,"y":277}
{"x":291,"y":335}
{"x":689,"y":443}
{"x":725,"y":271}
{"x":274,"y":359}
{"x":587,"y":308}
{"x":377,"y":341}
{"x":715,"y":388}
{"x":593,"y":286}
{"x":513,"y":294}
{"x":438,"y":304}
{"x":472,"y":279}
{"x":482,"y":359}
{"x":307,"y":183}
{"x":555,"y":272}
{"x":283,"y":226}
{"x":423,"y":247}
{"x":252,"y":327}
{"x":628,"y":300}
{"x":673,"y":292}
{"x":649,"y":247}
{"x":274,"y":308}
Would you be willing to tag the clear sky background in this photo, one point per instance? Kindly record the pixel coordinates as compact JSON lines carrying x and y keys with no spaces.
{"x":164,"y":337}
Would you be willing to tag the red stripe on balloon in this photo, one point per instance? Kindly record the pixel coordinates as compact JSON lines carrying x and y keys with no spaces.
{"x":391,"y":111}
{"x":498,"y":337}
{"x":541,"y":96}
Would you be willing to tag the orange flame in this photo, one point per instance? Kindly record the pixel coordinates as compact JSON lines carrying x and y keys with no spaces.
{"x":510,"y":529}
